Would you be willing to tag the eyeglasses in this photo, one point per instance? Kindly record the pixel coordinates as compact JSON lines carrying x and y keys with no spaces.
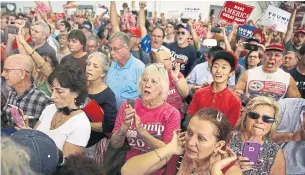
{"x":182,"y":33}
{"x":115,"y":49}
{"x":5,"y":70}
{"x":265,"y":118}
{"x":90,"y":46}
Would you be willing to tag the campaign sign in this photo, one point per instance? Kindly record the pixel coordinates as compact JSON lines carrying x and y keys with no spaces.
{"x":277,"y":18}
{"x":245,"y":31}
{"x":191,"y":12}
{"x":235,"y":11}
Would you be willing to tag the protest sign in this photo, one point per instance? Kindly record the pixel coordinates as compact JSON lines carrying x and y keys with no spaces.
{"x":276,"y":17}
{"x":245,"y":31}
{"x":191,"y":11}
{"x":235,"y":11}
{"x":173,"y":14}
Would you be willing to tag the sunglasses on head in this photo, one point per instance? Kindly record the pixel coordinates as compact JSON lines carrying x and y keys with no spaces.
{"x":182,"y":33}
{"x":265,"y":118}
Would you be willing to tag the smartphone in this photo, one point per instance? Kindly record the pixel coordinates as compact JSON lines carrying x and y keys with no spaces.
{"x":12,"y":30}
{"x":251,"y":47}
{"x":16,"y":115}
{"x":251,"y":150}
{"x":215,"y":30}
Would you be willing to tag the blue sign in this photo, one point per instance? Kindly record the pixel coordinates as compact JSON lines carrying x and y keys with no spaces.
{"x":246,"y":31}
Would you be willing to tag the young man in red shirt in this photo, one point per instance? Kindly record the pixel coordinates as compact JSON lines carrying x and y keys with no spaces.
{"x":218,"y":95}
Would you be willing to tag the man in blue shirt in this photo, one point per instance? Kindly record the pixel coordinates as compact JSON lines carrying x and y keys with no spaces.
{"x":125,"y":69}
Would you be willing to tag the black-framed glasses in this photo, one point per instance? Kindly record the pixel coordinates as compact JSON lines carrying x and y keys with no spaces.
{"x":5,"y":70}
{"x":180,"y":32}
{"x":265,"y":118}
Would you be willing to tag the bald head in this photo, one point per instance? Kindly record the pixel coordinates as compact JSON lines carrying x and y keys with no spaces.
{"x":160,"y":56}
{"x":24,"y":62}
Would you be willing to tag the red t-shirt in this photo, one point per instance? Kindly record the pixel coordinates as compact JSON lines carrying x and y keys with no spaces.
{"x":174,"y":98}
{"x":160,"y":122}
{"x":225,"y":101}
{"x":15,"y":46}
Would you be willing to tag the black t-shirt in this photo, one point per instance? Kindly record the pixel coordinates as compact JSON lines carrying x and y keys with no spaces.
{"x":106,"y":100}
{"x":185,"y":56}
{"x":300,"y":80}
{"x":80,"y":61}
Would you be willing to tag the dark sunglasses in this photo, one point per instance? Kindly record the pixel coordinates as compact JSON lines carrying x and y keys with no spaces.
{"x":182,"y":33}
{"x":265,"y":118}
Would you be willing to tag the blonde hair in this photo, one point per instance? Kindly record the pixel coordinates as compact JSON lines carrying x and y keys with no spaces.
{"x":14,"y":159}
{"x":261,"y":100}
{"x":160,"y":72}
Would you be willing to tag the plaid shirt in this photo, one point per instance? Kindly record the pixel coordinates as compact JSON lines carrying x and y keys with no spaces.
{"x":32,"y":102}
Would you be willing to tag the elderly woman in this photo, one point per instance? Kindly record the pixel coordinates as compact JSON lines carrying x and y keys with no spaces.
{"x":178,"y":88}
{"x":96,"y":70}
{"x":64,"y":121}
{"x":151,"y":123}
{"x":253,"y":59}
{"x":258,"y":121}
{"x":203,"y":145}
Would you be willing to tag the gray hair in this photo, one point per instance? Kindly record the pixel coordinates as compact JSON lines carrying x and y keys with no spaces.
{"x":95,"y":38}
{"x":103,"y":60}
{"x":160,"y":72}
{"x":124,"y":38}
{"x":45,"y":27}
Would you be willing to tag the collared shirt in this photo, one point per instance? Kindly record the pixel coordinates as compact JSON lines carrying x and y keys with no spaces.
{"x":32,"y":102}
{"x":201,"y":74}
{"x":123,"y":80}
{"x":225,"y":101}
{"x":290,"y":47}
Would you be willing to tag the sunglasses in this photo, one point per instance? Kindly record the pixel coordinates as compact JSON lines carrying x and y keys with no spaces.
{"x":182,"y":33}
{"x":265,"y":118}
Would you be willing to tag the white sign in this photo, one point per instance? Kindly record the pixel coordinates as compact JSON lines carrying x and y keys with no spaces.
{"x":173,"y":14}
{"x":276,"y":17}
{"x":191,"y":11}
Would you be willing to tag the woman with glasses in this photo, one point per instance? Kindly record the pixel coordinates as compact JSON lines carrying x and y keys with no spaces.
{"x":253,"y":59}
{"x":202,"y":146}
{"x":150,"y":123}
{"x":258,"y":122}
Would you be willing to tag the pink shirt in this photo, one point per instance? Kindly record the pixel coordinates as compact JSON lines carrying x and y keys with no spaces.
{"x":160,"y":122}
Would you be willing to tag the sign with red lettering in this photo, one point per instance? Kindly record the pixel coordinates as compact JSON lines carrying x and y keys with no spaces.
{"x":235,"y":11}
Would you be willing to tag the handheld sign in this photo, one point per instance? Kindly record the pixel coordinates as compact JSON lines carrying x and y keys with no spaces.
{"x":235,"y":11}
{"x":173,"y":14}
{"x":245,"y":31}
{"x":191,"y":11}
{"x":276,"y":17}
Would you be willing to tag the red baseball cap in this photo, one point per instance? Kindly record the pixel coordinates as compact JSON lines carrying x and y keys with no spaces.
{"x":276,"y":46}
{"x":134,"y":30}
{"x":300,"y":30}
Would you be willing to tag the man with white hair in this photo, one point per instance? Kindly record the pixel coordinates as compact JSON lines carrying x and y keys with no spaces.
{"x":125,"y":69}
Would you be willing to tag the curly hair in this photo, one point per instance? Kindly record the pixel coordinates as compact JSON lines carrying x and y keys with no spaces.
{"x":80,"y":165}
{"x":71,"y":76}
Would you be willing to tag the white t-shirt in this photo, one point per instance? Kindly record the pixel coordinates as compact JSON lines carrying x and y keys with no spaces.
{"x":75,"y":131}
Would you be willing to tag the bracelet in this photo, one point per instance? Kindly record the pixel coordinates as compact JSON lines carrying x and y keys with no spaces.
{"x":158,"y":155}
{"x":32,"y":52}
{"x":120,"y":132}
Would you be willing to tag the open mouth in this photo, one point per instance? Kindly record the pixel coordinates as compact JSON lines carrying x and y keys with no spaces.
{"x":146,"y":92}
{"x":270,"y":65}
{"x":218,"y":76}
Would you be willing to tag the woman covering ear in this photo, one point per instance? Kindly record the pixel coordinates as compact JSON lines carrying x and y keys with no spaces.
{"x":96,"y":70}
{"x":202,"y":146}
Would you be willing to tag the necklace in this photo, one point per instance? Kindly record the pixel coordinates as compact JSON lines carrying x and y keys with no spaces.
{"x":54,"y":124}
{"x":193,"y":171}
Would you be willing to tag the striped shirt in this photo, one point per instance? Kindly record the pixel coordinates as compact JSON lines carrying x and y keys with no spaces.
{"x":123,"y":80}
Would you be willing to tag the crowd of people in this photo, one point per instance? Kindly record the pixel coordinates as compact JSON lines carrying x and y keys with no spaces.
{"x":132,"y":94}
